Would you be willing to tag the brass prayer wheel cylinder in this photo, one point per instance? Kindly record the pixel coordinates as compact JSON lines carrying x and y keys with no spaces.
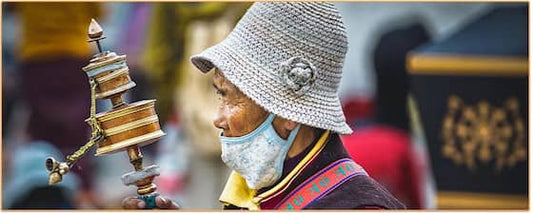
{"x":135,"y":124}
{"x":111,"y":73}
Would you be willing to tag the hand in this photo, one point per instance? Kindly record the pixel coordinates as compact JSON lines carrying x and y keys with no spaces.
{"x":160,"y":202}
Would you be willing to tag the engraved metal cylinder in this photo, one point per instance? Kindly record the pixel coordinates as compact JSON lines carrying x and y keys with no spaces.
{"x":134,"y":124}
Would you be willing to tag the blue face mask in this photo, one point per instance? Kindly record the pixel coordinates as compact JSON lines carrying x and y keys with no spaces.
{"x":259,"y":155}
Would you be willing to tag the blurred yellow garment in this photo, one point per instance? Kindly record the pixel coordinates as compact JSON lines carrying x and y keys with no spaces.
{"x":55,"y":29}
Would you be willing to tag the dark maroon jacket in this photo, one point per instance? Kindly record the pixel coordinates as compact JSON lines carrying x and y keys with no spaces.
{"x":359,"y":192}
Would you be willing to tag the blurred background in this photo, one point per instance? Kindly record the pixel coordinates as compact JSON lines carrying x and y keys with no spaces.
{"x":440,"y":88}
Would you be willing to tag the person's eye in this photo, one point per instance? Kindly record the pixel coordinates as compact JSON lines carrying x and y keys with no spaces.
{"x":220,"y":93}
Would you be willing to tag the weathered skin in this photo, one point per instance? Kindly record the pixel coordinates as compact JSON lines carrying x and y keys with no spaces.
{"x":237,"y":114}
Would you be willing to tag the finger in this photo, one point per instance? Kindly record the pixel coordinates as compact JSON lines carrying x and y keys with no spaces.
{"x":133,"y":203}
{"x":141,"y":204}
{"x":162,"y":202}
{"x":165,"y":203}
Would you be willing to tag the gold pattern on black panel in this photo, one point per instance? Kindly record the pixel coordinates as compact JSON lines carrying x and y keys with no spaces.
{"x":483,"y":133}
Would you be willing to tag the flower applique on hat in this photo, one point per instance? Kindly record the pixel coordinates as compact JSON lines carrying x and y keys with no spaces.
{"x":298,"y":74}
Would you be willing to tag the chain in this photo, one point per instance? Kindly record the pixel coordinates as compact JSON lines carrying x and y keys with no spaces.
{"x":97,"y":134}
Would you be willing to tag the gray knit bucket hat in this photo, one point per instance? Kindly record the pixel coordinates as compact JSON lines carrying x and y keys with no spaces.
{"x":288,"y":58}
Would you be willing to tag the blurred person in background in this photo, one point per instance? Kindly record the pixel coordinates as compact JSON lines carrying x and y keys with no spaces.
{"x":27,"y":185}
{"x":280,"y":115}
{"x":395,"y":164}
{"x":52,"y":50}
{"x":10,"y":92}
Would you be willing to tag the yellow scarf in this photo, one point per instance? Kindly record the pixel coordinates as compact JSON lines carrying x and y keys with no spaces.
{"x":237,"y":193}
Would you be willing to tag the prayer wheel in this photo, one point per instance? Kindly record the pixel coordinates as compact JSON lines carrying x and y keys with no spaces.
{"x":126,"y":127}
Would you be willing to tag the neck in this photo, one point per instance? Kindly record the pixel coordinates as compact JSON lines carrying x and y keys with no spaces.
{"x":303,"y":139}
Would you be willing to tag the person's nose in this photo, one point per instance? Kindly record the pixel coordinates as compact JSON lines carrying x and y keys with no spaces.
{"x":220,"y":121}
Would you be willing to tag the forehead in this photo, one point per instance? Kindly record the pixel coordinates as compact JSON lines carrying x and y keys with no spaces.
{"x":221,"y":81}
{"x":218,"y":75}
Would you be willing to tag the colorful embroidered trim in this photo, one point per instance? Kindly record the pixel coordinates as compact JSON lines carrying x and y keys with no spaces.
{"x":321,"y":183}
{"x":286,"y":182}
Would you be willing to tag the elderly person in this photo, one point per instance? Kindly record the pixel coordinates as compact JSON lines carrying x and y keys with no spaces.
{"x":277,"y":76}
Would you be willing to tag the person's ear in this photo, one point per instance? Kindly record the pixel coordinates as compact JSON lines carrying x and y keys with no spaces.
{"x":290,"y":125}
{"x":283,"y":126}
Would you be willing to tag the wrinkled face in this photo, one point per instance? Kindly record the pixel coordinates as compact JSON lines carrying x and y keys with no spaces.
{"x":237,"y":114}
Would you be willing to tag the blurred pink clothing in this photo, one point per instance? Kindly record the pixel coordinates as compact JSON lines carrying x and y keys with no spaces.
{"x":387,"y":155}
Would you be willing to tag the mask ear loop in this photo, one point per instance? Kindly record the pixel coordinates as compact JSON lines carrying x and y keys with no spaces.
{"x":288,"y":143}
{"x":293,"y":134}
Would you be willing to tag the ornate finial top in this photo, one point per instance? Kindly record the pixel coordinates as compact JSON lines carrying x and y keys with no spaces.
{"x":95,"y":31}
